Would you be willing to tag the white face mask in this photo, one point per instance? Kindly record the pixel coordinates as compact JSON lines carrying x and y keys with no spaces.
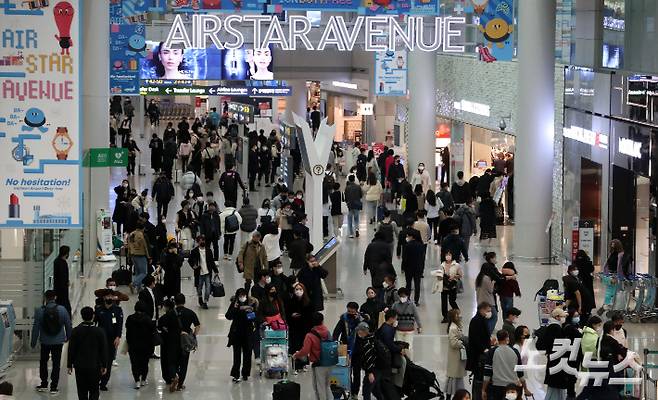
{"x":488,"y":315}
{"x":268,"y":280}
{"x":574,"y":272}
{"x":384,"y":285}
{"x":421,"y":169}
{"x":510,"y":396}
{"x":112,"y":287}
{"x":242,"y":299}
{"x":403,"y":299}
{"x":278,"y":270}
{"x":449,"y":259}
{"x":395,"y":324}
{"x":299,"y":293}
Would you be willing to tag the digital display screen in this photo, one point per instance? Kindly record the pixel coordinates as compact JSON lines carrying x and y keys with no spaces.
{"x":613,"y":56}
{"x":242,"y":113}
{"x":206,"y":64}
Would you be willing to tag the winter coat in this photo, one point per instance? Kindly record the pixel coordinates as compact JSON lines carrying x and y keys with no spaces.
{"x":353,"y":195}
{"x":163,"y":190}
{"x":249,"y":216}
{"x":139,"y":333}
{"x":478,"y":341}
{"x":467,"y":221}
{"x":558,"y":380}
{"x":298,"y":326}
{"x":377,"y":260}
{"x":370,"y":310}
{"x":461,"y":191}
{"x":242,"y":328}
{"x":408,"y":317}
{"x":374,"y":192}
{"x":253,"y":258}
{"x":311,"y":278}
{"x":488,"y":217}
{"x":455,"y":367}
{"x":413,"y":257}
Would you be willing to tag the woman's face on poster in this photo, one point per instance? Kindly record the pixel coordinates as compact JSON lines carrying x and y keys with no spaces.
{"x":171,"y":58}
{"x":262,"y":58}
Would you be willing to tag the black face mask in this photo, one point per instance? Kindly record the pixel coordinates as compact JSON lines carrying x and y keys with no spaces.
{"x":109,"y":302}
{"x":617,"y":327}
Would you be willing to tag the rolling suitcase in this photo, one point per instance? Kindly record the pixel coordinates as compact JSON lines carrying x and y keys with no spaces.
{"x":380,"y":213}
{"x":286,"y":390}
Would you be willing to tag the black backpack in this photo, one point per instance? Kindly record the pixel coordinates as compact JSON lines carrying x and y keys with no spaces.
{"x":387,"y":232}
{"x":231,"y":223}
{"x":549,"y":284}
{"x":51,"y":325}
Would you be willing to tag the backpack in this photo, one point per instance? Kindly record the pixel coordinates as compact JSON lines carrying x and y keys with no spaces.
{"x":387,"y":232}
{"x":188,"y":343}
{"x":231,"y":223}
{"x":51,"y":324}
{"x":328,"y":351}
{"x":384,"y":359}
{"x":549,"y":284}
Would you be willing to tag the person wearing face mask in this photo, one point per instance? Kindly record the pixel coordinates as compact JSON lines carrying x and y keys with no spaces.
{"x":252,"y":258}
{"x":311,"y":276}
{"x":611,"y":350}
{"x":619,"y":332}
{"x":209,"y":226}
{"x":452,"y":274}
{"x":511,"y":317}
{"x":163,"y":192}
{"x":395,"y":175}
{"x":345,"y":329}
{"x":281,"y":281}
{"x":485,"y":287}
{"x":121,"y":205}
{"x":479,"y":342}
{"x":265,"y":213}
{"x":556,"y":383}
{"x":202,"y":262}
{"x":278,"y":200}
{"x":386,"y":333}
{"x":571,"y":330}
{"x":413,"y":262}
{"x":186,"y":224}
{"x":500,"y":378}
{"x":455,"y":367}
{"x":298,"y":205}
{"x":421,"y":177}
{"x":109,"y":317}
{"x":576,"y":295}
{"x":264,"y":162}
{"x":591,"y":336}
{"x":171,"y":262}
{"x":298,"y":315}
{"x":371,"y":308}
{"x":140,"y":328}
{"x":407,"y":317}
{"x":61,"y":278}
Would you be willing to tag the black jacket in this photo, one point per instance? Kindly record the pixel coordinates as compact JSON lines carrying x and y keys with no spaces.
{"x":558,"y":380}
{"x":460,"y":193}
{"x":151,"y":303}
{"x":370,"y":310}
{"x":483,"y":185}
{"x":230,"y":181}
{"x":195,"y":259}
{"x":395,"y":171}
{"x":364,"y":355}
{"x":413,"y":257}
{"x":110,"y":320}
{"x":163,"y":190}
{"x":242,"y":328}
{"x":252,"y":164}
{"x":61,"y":278}
{"x":171,"y":264}
{"x":311,"y":278}
{"x":478,"y":341}
{"x":87,"y":348}
{"x":297,"y":251}
{"x":140,"y":329}
{"x":613,"y":260}
{"x":209,"y":225}
{"x":455,"y":244}
{"x":377,"y":260}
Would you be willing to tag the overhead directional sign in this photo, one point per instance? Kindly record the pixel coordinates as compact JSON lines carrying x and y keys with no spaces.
{"x":231,"y":88}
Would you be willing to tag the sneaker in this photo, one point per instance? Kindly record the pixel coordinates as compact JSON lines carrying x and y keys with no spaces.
{"x":41,"y":388}
{"x":144,"y":382}
{"x":54,"y":391}
{"x":103,"y":388}
{"x":228,"y":258}
{"x":225,"y":257}
{"x":205,"y":306}
{"x":236,"y":380}
{"x":351,"y":236}
{"x":115,"y":363}
{"x":357,"y":233}
{"x":180,"y":388}
{"x":137,"y":385}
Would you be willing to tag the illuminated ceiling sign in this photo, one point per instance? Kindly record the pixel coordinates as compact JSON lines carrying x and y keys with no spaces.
{"x":473,"y":107}
{"x":445,"y":33}
{"x":586,"y":136}
{"x":630,"y":147}
{"x":366,"y":108}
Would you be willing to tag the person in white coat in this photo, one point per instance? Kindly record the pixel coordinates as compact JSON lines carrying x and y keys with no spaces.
{"x":229,"y":232}
{"x":350,"y":159}
{"x":421,"y":177}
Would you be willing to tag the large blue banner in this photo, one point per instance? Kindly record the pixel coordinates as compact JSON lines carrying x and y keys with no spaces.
{"x":399,"y":7}
{"x":497,"y":27}
{"x":246,"y":6}
{"x":314,"y":5}
{"x":127,"y":44}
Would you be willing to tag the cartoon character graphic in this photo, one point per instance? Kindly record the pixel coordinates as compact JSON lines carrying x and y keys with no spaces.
{"x":387,"y":4}
{"x":212,"y":4}
{"x":496,"y":31}
{"x":479,"y":5}
{"x":63,"y":12}
{"x":34,"y":118}
{"x":136,"y":45}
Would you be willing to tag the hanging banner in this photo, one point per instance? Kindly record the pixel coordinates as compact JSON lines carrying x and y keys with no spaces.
{"x":127,"y":44}
{"x":277,"y":6}
{"x":40,"y":138}
{"x":497,"y":28}
{"x":188,"y":6}
{"x":399,"y":7}
{"x":391,"y":73}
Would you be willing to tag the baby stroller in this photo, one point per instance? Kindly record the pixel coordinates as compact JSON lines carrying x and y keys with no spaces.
{"x":420,"y":383}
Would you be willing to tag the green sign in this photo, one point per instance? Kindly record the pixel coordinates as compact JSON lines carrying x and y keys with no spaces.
{"x":103,"y":158}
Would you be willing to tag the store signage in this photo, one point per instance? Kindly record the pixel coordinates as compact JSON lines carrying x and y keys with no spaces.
{"x":345,"y":85}
{"x":586,"y":236}
{"x":216,"y":90}
{"x":586,"y":136}
{"x":630,"y":147}
{"x":391,"y":70}
{"x":366,"y":109}
{"x":40,"y":117}
{"x":266,"y":30}
{"x":106,"y":157}
{"x":473,"y":107}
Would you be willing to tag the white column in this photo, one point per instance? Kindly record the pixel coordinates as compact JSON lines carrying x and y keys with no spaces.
{"x":298,"y":101}
{"x":422,"y":114}
{"x":95,"y":109}
{"x":533,"y":169}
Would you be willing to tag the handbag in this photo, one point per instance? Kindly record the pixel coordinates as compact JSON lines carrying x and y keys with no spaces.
{"x":217,"y":287}
{"x":463,"y":356}
{"x":343,"y":208}
{"x":157,"y":339}
{"x":276,"y":322}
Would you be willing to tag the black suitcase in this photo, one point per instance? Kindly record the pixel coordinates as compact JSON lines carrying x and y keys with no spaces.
{"x":122,"y":276}
{"x":286,"y":390}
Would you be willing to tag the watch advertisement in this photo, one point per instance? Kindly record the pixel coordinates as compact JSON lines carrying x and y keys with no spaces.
{"x":391,"y":73}
{"x":40,"y":114}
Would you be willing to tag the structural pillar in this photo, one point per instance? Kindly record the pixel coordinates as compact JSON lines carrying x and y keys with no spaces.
{"x":422,"y":113}
{"x":95,"y":109}
{"x":298,"y":101}
{"x":533,"y":169}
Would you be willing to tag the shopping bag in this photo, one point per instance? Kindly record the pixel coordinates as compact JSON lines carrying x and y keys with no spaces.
{"x":217,"y":287}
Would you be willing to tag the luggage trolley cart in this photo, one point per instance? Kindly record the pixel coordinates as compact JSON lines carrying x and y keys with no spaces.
{"x":649,"y":383}
{"x":547,"y":304}
{"x":274,"y":354}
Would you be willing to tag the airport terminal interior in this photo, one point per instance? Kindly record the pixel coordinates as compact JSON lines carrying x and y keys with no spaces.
{"x":340,"y":199}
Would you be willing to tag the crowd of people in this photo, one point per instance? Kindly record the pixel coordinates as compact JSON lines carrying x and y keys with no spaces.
{"x":407,"y":217}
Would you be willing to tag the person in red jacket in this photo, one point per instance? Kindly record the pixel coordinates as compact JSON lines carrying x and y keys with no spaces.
{"x":312,"y":349}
